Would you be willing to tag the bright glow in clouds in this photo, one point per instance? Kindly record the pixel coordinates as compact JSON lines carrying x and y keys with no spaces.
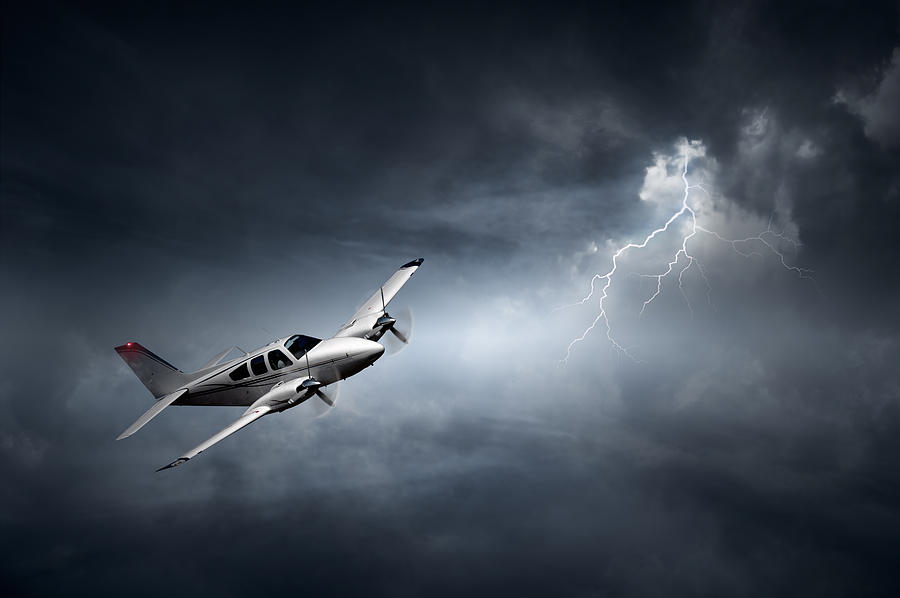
{"x":694,"y":204}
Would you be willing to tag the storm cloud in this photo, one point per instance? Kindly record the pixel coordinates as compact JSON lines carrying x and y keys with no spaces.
{"x":195,"y":177}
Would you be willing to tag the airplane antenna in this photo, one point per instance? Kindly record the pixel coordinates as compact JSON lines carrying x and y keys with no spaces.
{"x":382,"y":298}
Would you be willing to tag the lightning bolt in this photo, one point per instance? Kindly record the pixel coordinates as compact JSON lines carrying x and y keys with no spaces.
{"x":681,"y":261}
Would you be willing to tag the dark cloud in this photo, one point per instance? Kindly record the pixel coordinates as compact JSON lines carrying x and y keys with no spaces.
{"x":878,"y":109}
{"x":194,"y":177}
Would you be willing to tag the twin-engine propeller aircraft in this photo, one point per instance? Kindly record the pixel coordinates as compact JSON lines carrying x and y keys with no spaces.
{"x":271,"y":379}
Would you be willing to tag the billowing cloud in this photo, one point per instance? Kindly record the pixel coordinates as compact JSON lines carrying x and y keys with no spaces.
{"x":878,"y":109}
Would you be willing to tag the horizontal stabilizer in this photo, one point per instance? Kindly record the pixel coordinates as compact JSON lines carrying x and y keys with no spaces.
{"x":215,"y":360}
{"x":155,"y":410}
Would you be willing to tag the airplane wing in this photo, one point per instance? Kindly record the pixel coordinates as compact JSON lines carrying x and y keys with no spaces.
{"x":245,"y":420}
{"x":374,"y":305}
{"x":155,"y":410}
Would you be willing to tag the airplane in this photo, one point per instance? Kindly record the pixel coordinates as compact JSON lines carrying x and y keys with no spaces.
{"x":273,"y":378}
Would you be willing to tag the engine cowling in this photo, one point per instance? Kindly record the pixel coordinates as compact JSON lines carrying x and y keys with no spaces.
{"x":286,"y":394}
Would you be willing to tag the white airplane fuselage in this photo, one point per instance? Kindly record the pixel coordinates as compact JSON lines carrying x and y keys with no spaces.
{"x":330,"y":360}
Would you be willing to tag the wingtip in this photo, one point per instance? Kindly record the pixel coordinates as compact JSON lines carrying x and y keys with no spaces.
{"x":174,"y":463}
{"x":415,"y":262}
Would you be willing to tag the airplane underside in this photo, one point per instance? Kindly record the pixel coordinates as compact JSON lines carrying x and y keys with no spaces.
{"x":223,"y":399}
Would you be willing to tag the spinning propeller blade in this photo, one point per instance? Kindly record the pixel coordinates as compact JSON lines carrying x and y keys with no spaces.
{"x":326,"y":400}
{"x":400,"y":331}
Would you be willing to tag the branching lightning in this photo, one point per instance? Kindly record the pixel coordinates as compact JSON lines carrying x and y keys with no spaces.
{"x":681,"y":261}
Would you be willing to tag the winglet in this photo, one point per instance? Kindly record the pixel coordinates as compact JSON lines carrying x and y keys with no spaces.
{"x":175,"y":463}
{"x":415,"y":262}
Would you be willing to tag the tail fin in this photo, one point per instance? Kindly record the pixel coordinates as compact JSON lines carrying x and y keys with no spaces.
{"x":158,"y":375}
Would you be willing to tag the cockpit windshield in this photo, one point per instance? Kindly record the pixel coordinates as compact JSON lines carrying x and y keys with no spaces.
{"x":299,"y":344}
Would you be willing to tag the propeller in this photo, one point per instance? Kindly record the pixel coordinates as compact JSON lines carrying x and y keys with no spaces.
{"x":399,"y":327}
{"x":326,"y":400}
{"x":400,"y":331}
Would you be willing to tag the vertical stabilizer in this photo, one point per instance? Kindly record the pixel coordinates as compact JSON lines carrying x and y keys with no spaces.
{"x":158,"y":375}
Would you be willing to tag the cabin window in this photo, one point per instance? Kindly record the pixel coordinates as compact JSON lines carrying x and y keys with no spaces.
{"x":278,"y":360}
{"x":300,"y":344}
{"x":239,"y":373}
{"x":258,"y":365}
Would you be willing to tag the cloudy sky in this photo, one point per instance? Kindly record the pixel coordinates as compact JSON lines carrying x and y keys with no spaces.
{"x":198,"y":177}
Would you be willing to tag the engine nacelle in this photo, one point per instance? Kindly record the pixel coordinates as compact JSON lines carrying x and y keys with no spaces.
{"x":286,"y":394}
